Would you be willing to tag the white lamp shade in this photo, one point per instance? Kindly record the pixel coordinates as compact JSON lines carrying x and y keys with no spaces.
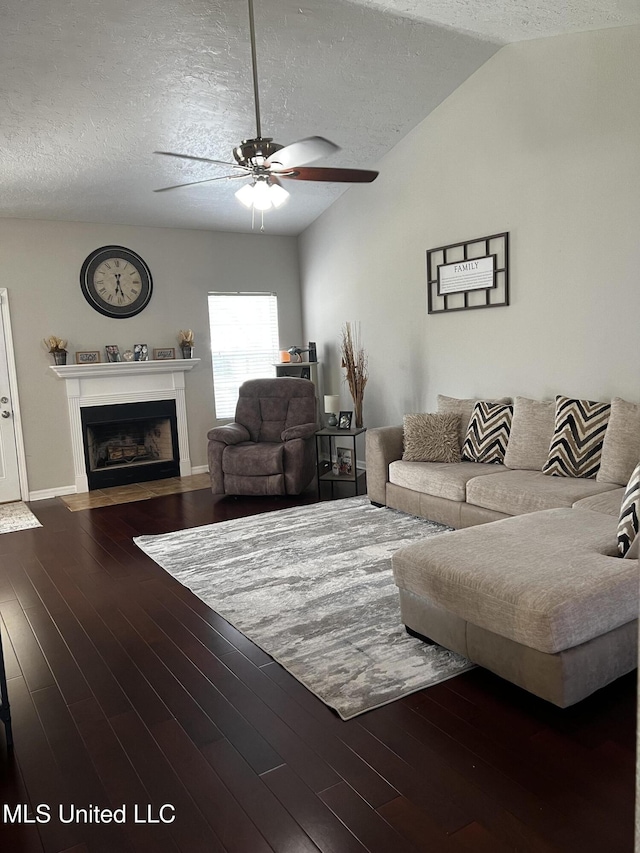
{"x":331,"y":404}
{"x":262,"y":195}
{"x":245,"y":195}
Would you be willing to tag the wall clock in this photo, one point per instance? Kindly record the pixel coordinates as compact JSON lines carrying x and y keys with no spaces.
{"x":116,"y":282}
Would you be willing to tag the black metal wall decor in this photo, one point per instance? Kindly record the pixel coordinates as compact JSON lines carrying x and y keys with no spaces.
{"x":467,"y":275}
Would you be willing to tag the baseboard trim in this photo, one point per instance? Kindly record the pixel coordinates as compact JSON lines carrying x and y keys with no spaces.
{"x":200,"y":469}
{"x":44,"y":494}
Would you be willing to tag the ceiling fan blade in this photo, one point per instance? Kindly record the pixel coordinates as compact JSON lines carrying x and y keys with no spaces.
{"x":198,"y":159}
{"x":301,"y":152}
{"x":349,"y":176}
{"x":206,"y":181}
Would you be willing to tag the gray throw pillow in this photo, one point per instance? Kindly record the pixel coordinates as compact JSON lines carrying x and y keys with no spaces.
{"x":629,"y":513}
{"x":431,"y":438}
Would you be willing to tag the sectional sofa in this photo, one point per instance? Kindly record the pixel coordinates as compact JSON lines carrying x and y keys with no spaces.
{"x":530,"y":584}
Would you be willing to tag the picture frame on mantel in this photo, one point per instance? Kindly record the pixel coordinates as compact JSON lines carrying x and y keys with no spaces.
{"x":112,"y":352}
{"x":164,"y":354}
{"x":88,"y":357}
{"x":468,"y":275}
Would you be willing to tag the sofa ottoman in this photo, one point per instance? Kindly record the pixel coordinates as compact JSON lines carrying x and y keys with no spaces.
{"x":540,"y":600}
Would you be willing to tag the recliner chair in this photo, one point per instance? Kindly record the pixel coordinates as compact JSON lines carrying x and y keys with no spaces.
{"x":269,"y":448}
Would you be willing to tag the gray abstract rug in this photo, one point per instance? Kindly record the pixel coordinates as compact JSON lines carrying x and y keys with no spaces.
{"x":313,"y":587}
{"x":16,"y":516}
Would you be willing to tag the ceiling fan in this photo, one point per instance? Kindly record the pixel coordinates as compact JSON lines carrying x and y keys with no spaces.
{"x":264,"y":163}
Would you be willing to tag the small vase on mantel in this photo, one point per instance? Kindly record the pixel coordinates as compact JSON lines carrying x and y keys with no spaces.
{"x":186,"y":339}
{"x":59,"y":356}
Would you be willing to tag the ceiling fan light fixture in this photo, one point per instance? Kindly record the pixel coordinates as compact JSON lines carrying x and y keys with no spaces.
{"x":278,"y":195}
{"x":245,"y":195}
{"x":262,"y":195}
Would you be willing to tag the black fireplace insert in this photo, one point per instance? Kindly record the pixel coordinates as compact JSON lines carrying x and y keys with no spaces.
{"x":130,"y":443}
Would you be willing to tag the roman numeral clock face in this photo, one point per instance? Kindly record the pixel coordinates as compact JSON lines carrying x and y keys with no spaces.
{"x":116,"y":282}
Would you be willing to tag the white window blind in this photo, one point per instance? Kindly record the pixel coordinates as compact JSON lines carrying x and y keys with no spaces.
{"x":244,"y":343}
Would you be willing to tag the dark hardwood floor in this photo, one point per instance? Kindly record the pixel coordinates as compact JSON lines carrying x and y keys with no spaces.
{"x":126,"y":689}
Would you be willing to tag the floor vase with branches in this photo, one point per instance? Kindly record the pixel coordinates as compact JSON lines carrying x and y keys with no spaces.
{"x":355,"y":362}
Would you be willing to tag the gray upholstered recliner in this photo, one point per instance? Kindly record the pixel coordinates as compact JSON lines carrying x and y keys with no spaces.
{"x":269,"y":449}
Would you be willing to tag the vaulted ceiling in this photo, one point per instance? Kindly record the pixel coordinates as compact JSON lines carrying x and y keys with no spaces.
{"x":90,"y":88}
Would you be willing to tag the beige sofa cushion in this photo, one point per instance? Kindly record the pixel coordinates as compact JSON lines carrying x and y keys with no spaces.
{"x":531,"y":433}
{"x":440,"y":479}
{"x":517,"y":492}
{"x":548,"y":580}
{"x":464,"y":408}
{"x":607,"y":502}
{"x":621,"y":448}
{"x":431,"y":437}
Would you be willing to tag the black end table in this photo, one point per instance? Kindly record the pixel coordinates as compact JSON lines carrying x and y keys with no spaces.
{"x":336,"y":457}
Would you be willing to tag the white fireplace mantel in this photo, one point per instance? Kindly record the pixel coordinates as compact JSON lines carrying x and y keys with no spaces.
{"x":124,"y":382}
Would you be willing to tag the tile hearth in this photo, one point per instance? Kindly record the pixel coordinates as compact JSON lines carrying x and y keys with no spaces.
{"x":136,"y":492}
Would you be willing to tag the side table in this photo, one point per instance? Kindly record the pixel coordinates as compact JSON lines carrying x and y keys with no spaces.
{"x":335,"y":462}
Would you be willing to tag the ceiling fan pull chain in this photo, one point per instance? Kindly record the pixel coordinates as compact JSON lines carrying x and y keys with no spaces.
{"x":254,"y":65}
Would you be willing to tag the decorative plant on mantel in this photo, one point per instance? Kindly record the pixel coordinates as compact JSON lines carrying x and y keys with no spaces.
{"x":356,"y":362}
{"x":58,"y":348}
{"x":186,"y":339}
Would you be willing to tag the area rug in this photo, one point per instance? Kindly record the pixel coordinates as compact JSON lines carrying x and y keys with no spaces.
{"x":16,"y":516}
{"x":313,"y":587}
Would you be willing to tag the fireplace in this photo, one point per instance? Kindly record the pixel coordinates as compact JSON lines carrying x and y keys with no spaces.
{"x":112,"y":384}
{"x":130,"y":443}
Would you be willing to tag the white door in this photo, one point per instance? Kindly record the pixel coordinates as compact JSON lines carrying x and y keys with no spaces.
{"x":9,"y":473}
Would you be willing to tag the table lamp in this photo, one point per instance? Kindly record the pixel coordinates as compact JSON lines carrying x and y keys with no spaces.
{"x":331,"y":408}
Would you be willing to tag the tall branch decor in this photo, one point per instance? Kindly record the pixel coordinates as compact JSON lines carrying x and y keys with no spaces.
{"x":356,"y":363}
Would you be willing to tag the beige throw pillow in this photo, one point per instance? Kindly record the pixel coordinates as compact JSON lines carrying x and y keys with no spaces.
{"x":621,"y":448}
{"x":464,"y":408}
{"x":531,"y":433}
{"x":431,"y":438}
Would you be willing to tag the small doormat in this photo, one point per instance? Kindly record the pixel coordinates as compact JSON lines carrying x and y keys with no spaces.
{"x":16,"y":516}
{"x":313,"y":587}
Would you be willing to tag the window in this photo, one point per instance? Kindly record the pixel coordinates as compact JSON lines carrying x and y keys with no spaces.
{"x":244,"y":343}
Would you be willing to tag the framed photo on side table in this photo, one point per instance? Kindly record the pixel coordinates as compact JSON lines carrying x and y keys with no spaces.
{"x":344,"y":459}
{"x":344,"y":420}
{"x":88,"y":357}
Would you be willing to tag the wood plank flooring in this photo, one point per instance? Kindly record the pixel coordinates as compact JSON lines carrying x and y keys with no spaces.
{"x":127,"y":690}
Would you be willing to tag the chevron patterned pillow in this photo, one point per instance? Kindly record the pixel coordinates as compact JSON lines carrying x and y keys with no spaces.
{"x":576,"y":446}
{"x":629,"y":512}
{"x":488,"y":432}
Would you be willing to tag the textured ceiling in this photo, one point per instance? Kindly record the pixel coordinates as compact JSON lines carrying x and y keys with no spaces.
{"x":515,"y":20}
{"x":90,"y":88}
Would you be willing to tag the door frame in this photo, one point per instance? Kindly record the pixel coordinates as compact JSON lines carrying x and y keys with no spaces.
{"x":13,"y":389}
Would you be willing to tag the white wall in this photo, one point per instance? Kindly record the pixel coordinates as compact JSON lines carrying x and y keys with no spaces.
{"x":40,"y":266}
{"x":542,"y":141}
